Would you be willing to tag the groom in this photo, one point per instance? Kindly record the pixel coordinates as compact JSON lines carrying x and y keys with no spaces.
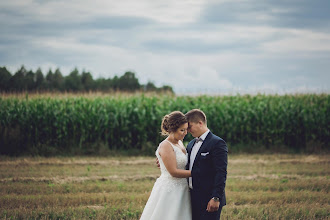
{"x":207,"y":160}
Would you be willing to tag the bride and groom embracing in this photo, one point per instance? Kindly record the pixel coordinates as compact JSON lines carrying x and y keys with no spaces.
{"x":203,"y":163}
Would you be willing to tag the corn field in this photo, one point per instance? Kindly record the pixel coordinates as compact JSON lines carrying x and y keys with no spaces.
{"x":42,"y":125}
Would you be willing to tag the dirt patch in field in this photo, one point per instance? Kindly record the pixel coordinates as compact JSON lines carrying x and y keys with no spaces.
{"x":61,"y":180}
{"x":54,"y":162}
{"x":248,"y":161}
{"x":265,"y":176}
{"x":26,"y":162}
{"x":312,"y":159}
{"x":308,"y":160}
{"x":95,"y":207}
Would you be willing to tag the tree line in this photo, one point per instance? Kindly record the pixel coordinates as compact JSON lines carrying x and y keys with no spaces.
{"x":27,"y":80}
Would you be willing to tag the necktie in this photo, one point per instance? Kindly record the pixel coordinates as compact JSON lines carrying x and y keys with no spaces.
{"x":199,"y":139}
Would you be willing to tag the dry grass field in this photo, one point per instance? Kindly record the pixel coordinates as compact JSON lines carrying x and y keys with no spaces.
{"x":258,"y":187}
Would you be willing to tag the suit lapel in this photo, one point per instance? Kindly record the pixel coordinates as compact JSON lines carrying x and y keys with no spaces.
{"x":189,"y":149}
{"x":205,"y":143}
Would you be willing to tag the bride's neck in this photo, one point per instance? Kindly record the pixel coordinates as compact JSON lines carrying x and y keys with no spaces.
{"x":172,"y":140}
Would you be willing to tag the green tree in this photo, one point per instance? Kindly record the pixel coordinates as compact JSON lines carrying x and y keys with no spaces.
{"x":115,"y":83}
{"x":73,"y":82}
{"x":17,"y":81}
{"x":128,"y":82}
{"x":49,"y":80}
{"x":87,"y":81}
{"x":30,"y":80}
{"x":58,"y":80}
{"x":35,"y":81}
{"x":150,"y":87}
{"x":166,"y":88}
{"x":40,"y":80}
{"x":104,"y":85}
{"x":5,"y":76}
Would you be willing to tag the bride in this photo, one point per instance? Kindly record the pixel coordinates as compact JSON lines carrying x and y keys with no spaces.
{"x":170,"y":197}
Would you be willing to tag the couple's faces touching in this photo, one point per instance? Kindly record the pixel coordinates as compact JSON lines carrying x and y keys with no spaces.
{"x":194,"y":128}
{"x":181,"y":132}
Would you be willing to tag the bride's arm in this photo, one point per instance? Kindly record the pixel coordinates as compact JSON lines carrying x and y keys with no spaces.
{"x":169,"y":159}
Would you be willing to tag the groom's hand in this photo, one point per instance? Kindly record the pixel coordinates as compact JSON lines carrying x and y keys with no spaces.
{"x":213,"y":206}
{"x":157,"y":162}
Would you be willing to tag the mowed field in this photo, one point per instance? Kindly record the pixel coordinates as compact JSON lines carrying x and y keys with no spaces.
{"x":258,"y":187}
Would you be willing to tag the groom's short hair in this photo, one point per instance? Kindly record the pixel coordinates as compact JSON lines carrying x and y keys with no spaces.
{"x":196,"y":115}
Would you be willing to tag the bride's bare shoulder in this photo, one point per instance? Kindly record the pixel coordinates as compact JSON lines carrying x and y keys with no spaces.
{"x":164,"y":147}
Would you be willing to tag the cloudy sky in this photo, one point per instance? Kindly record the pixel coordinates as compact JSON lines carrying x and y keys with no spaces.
{"x":196,"y":46}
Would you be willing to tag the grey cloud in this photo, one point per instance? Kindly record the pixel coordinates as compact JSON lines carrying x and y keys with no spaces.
{"x":28,"y":54}
{"x":198,"y":46}
{"x":303,"y":14}
{"x":19,"y":32}
{"x":18,"y":22}
{"x":281,"y":13}
{"x":117,"y":22}
{"x":284,"y":71}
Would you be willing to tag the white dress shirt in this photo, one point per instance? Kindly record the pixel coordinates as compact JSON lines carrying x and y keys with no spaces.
{"x":194,"y":152}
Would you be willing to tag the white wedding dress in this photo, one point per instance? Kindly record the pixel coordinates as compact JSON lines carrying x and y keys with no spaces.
{"x":170,"y":196}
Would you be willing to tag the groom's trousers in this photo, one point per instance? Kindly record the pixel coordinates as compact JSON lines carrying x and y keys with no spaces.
{"x":199,"y":203}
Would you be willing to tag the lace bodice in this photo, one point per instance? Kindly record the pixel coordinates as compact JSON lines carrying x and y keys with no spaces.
{"x":181,"y":160}
{"x":166,"y":180}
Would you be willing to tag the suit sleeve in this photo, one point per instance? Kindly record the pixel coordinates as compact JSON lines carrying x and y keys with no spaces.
{"x":220,"y":161}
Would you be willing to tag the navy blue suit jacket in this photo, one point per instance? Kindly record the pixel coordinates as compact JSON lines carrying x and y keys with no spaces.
{"x":209,"y":171}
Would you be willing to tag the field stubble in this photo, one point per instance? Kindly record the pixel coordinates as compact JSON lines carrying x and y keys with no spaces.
{"x":258,"y":187}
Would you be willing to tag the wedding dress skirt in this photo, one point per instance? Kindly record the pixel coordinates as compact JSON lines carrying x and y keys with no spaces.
{"x":170,"y":196}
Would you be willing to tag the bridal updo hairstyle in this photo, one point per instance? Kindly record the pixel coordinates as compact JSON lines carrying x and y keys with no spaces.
{"x":172,"y":122}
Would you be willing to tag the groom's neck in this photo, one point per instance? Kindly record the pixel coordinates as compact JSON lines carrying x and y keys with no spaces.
{"x":203,"y":130}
